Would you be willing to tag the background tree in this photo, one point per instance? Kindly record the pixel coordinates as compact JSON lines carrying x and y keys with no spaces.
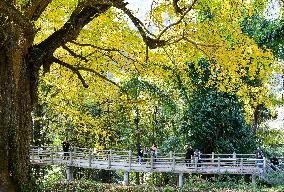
{"x":214,"y":121}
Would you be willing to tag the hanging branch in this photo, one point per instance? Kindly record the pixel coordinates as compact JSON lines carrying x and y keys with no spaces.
{"x":200,"y":44}
{"x":72,"y":53}
{"x":77,"y":70}
{"x":72,"y":68}
{"x":147,"y":54}
{"x":105,"y":49}
{"x":94,"y":46}
{"x":104,"y":78}
{"x":178,"y":21}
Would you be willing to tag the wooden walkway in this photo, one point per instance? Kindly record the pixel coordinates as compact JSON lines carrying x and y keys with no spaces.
{"x":127,"y":161}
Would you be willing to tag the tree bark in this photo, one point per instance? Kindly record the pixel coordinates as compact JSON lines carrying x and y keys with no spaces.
{"x":15,"y":108}
{"x":20,"y":62}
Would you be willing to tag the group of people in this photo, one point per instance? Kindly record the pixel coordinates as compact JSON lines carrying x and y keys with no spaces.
{"x":147,"y":152}
{"x":196,"y":154}
{"x":274,"y":162}
{"x":190,"y":153}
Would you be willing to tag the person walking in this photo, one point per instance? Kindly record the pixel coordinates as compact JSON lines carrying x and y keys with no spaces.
{"x":154,"y":151}
{"x":139,"y":154}
{"x":188,"y":155}
{"x":65,"y":146}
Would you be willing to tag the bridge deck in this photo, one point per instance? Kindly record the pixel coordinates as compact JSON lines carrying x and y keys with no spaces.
{"x":126,"y":161}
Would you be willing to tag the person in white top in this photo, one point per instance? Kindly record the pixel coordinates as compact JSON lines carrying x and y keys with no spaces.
{"x":154,"y":151}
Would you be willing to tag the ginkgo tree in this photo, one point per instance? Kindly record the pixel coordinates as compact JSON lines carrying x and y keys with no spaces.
{"x":92,"y":37}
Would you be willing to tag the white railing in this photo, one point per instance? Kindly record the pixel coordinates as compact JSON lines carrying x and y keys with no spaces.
{"x":128,"y":161}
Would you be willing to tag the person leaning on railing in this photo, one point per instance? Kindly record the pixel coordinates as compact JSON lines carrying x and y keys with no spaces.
{"x":259,"y":155}
{"x":197,"y":155}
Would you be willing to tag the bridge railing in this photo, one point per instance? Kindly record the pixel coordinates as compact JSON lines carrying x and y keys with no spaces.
{"x":127,"y":160}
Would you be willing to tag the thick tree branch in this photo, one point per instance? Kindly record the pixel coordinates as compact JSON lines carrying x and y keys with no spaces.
{"x":9,"y":12}
{"x":80,"y":17}
{"x":72,"y":68}
{"x":36,"y":8}
{"x":176,"y":7}
{"x":157,"y":41}
{"x":150,"y":42}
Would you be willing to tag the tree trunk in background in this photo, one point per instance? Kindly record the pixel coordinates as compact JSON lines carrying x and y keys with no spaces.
{"x":15,"y":109}
{"x":256,"y":118}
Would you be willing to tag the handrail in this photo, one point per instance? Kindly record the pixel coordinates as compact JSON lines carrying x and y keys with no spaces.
{"x":128,"y":161}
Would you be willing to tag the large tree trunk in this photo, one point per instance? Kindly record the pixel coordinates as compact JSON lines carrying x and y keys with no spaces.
{"x":15,"y":108}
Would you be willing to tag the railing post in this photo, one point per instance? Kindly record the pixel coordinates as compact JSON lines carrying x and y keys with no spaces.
{"x":253,"y":177}
{"x":71,"y":157}
{"x":90,"y":159}
{"x":241,"y":164}
{"x":171,"y":154}
{"x":195,"y":163}
{"x":219,"y":164}
{"x":38,"y":153}
{"x":33,"y":155}
{"x":109,"y":159}
{"x":56,"y":151}
{"x":212,"y":157}
{"x":264,"y":167}
{"x":234,"y":157}
{"x":264,"y":163}
{"x":130,"y":159}
{"x":51,"y":154}
{"x":173,"y":163}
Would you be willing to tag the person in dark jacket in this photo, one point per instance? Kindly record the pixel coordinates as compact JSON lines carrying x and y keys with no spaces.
{"x":274,"y":163}
{"x":188,"y":155}
{"x":139,"y":153}
{"x":65,"y":146}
